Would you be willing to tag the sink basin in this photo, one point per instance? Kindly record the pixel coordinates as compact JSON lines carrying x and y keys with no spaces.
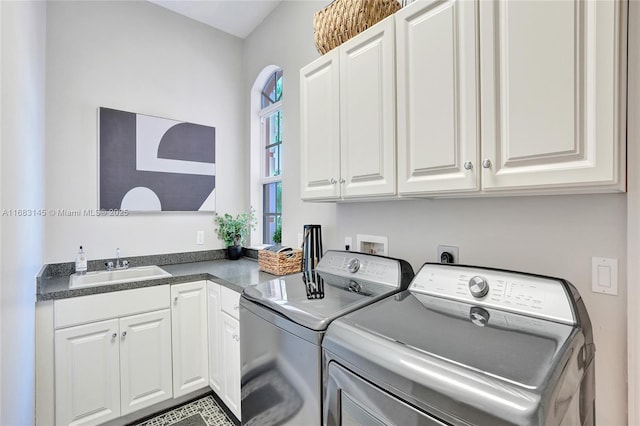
{"x":97,"y":278}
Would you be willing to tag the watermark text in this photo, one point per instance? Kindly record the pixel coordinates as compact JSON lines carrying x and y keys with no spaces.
{"x":62,"y":212}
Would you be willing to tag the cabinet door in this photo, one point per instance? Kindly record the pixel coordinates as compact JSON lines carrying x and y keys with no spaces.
{"x":230,"y":302}
{"x":87,"y":373}
{"x":231,"y":359}
{"x":215,"y":338}
{"x":367,"y":112}
{"x":551,"y":77}
{"x":437,"y":97}
{"x":145,"y":360}
{"x":320,"y":128}
{"x":190,"y":337}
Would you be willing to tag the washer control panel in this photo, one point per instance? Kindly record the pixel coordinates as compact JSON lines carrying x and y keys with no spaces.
{"x":511,"y":291}
{"x":362,"y":266}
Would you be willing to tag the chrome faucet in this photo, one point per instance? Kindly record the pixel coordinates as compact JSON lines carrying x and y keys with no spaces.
{"x":120,"y":264}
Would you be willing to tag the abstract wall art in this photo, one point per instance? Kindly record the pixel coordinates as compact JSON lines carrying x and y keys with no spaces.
{"x":155,"y":164}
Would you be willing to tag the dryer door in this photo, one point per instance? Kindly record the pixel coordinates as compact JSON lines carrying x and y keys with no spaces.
{"x":350,"y":401}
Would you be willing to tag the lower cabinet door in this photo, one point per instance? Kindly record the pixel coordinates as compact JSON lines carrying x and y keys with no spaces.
{"x":190,"y":337}
{"x":87,"y":373}
{"x":231,"y":362}
{"x":215,"y":338}
{"x":145,"y":360}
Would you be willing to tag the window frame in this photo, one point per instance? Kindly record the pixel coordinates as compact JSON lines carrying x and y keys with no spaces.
{"x":263,"y":114}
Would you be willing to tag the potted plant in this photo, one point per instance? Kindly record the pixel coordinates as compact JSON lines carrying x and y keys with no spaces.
{"x":277,"y":235}
{"x":234,"y":231}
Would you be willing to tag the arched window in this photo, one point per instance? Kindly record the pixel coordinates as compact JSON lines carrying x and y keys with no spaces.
{"x":270,"y":146}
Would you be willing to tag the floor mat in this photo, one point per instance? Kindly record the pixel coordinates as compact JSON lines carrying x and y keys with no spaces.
{"x":202,"y":412}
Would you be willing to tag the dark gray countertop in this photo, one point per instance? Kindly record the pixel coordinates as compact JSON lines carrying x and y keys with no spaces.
{"x":235,"y":274}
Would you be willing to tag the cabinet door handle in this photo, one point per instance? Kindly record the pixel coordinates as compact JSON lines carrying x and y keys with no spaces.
{"x":175,"y":299}
{"x":486,"y":163}
{"x":124,"y":334}
{"x":342,"y":180}
{"x":236,"y":337}
{"x":235,"y":307}
{"x":468,"y":165}
{"x":114,"y":335}
{"x":333,"y":181}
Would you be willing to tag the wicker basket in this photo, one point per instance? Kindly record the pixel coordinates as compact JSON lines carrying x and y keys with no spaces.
{"x":287,"y":262}
{"x":343,"y":19}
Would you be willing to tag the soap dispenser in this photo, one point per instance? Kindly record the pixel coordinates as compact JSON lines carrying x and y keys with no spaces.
{"x":81,"y":262}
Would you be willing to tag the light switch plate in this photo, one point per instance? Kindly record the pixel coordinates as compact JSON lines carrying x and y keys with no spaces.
{"x":200,"y":237}
{"x":604,"y":275}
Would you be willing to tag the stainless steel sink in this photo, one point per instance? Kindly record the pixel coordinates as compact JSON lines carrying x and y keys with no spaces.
{"x":97,"y":278}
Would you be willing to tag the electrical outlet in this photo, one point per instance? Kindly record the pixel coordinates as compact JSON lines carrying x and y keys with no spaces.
{"x":348,"y":242}
{"x":452,"y":250}
{"x":200,"y":237}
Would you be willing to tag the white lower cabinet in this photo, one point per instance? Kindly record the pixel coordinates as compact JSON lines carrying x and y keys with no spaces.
{"x":87,"y":373}
{"x":116,"y":353}
{"x":215,"y":337}
{"x":190,"y":337}
{"x":111,"y":368}
{"x":145,"y":360}
{"x":224,"y":345}
{"x":231,"y":362}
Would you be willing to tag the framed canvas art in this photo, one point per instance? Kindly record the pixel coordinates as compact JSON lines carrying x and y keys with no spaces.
{"x":155,"y":164}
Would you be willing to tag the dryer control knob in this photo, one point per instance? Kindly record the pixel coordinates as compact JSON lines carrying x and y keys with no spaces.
{"x":353,"y":265}
{"x":478,"y":286}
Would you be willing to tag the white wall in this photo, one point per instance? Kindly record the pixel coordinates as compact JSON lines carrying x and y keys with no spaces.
{"x":552,"y":235}
{"x":285,"y":39}
{"x":22,"y":187}
{"x":633,"y":213}
{"x":135,"y":56}
{"x":1,"y":207}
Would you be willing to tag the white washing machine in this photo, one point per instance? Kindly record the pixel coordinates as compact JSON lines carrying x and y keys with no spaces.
{"x":283,"y":322}
{"x":464,"y":346}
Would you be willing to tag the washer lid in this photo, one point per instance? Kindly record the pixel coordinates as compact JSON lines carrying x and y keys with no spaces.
{"x":315,"y":299}
{"x":343,"y":281}
{"x":499,"y":345}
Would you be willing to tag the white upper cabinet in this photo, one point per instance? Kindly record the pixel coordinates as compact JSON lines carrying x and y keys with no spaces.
{"x":438,"y":137}
{"x":347,"y":113}
{"x":320,"y":128}
{"x":367,"y":112}
{"x":515,"y":96}
{"x":552,"y":106}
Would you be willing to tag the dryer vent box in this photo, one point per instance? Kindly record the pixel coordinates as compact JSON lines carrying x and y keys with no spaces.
{"x":372,"y":244}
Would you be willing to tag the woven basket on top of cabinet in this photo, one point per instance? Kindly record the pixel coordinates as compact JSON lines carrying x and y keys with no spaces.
{"x":343,"y":19}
